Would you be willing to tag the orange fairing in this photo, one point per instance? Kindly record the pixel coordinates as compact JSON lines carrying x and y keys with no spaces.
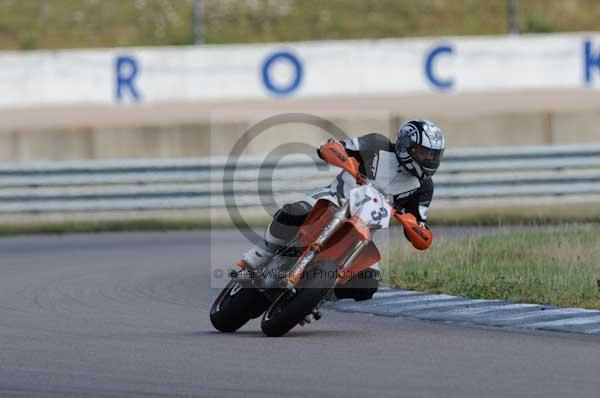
{"x":335,"y":154}
{"x":342,"y":242}
{"x":419,"y":236}
{"x":369,"y":256}
{"x":320,"y":215}
{"x":361,"y":228}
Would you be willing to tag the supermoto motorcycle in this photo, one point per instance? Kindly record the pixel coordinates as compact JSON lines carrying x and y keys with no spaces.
{"x":334,"y":243}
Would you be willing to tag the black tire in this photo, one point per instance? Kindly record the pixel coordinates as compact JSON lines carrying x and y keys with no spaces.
{"x":289,"y":309}
{"x":235,"y":306}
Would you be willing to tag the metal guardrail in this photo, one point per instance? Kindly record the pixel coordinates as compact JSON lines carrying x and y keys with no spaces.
{"x":560,"y":172}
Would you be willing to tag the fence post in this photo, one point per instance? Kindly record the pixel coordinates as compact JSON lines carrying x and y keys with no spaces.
{"x":198,"y":22}
{"x":513,"y":16}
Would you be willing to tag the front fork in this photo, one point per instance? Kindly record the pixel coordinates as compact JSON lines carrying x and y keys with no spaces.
{"x":313,"y":250}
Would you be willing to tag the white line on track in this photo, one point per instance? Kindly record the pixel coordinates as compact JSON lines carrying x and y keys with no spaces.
{"x":397,"y":302}
{"x":584,"y":320}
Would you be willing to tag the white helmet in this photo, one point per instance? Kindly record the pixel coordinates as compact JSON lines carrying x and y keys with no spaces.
{"x":420,"y":147}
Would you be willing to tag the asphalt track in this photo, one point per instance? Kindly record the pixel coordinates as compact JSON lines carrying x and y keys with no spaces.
{"x":127,"y":315}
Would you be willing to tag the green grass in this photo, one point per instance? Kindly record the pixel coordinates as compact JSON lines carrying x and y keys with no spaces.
{"x":28,"y":24}
{"x":555,"y":268}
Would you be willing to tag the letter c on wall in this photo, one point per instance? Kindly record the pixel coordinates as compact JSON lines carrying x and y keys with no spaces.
{"x":294,"y":83}
{"x":430,"y":59}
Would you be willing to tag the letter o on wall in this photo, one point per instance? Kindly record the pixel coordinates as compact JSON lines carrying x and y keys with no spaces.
{"x":282,"y":56}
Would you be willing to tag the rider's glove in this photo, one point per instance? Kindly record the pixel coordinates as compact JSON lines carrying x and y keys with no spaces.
{"x":418,"y":234}
{"x":328,"y":143}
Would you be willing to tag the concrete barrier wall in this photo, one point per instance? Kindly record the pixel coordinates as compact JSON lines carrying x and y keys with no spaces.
{"x":203,"y":137}
{"x":300,"y":70}
{"x":199,"y":101}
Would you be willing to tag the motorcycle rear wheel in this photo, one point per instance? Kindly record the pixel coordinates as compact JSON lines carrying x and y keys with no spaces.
{"x":235,"y":306}
{"x":289,"y":309}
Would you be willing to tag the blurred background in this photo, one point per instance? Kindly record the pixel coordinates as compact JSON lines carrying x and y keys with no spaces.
{"x":115,"y":109}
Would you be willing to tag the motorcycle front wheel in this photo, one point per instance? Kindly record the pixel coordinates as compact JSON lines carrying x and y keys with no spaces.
{"x":291,"y":308}
{"x":235,"y":306}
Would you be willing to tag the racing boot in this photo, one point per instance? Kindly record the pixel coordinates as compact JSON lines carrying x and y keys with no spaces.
{"x":284,"y":226}
{"x":259,"y":255}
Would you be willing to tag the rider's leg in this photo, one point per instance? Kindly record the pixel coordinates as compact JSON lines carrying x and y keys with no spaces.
{"x":284,"y":226}
{"x":360,"y":287}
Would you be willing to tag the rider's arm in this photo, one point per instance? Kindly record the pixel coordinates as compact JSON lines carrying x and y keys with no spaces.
{"x":364,"y":149}
{"x":334,"y":153}
{"x":415,"y":209}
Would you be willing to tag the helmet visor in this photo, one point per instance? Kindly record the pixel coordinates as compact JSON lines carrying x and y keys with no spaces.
{"x":429,"y":159}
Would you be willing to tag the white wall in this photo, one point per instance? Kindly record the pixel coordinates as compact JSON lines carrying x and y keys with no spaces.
{"x":335,"y":68}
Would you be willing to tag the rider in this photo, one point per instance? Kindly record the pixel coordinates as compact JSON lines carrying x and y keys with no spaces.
{"x":403,"y":170}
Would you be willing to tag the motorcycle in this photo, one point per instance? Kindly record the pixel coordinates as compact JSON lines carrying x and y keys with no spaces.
{"x":334,"y":243}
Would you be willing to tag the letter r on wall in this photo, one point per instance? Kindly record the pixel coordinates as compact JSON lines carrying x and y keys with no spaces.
{"x":126,"y":70}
